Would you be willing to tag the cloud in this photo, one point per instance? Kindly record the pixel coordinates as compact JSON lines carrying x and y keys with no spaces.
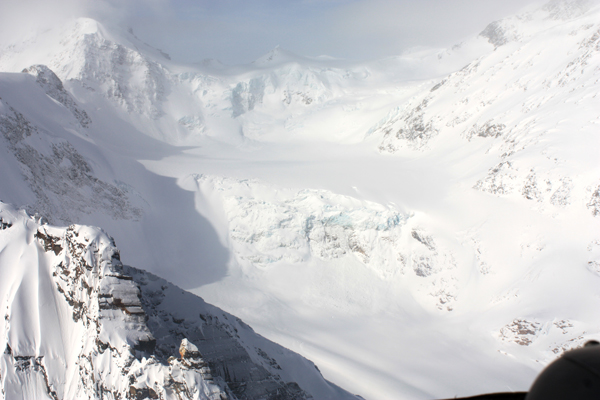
{"x":376,"y":28}
{"x":239,"y":31}
{"x":18,"y":18}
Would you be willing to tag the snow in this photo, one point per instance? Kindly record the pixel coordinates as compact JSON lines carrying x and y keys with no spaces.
{"x":421,"y":226}
{"x":75,"y":326}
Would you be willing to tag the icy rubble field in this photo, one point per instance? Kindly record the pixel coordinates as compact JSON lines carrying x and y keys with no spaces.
{"x":422,"y":226}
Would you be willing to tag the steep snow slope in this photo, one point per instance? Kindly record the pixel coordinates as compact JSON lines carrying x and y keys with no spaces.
{"x":75,"y":326}
{"x":59,"y":177}
{"x":519,"y":103}
{"x":446,"y":247}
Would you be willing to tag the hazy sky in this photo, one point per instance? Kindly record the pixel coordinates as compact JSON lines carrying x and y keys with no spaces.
{"x":239,"y":31}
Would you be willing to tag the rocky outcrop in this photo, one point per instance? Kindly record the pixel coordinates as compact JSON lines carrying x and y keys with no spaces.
{"x":594,"y":204}
{"x":410,"y":127}
{"x":216,"y":343}
{"x":121,"y":73}
{"x":54,"y":88}
{"x":499,"y":180}
{"x":117,"y":331}
{"x":521,"y":331}
{"x":487,"y":130}
{"x":499,"y":33}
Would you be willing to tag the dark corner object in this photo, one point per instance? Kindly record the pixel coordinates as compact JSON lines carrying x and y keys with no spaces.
{"x":495,"y":396}
{"x":575,"y":375}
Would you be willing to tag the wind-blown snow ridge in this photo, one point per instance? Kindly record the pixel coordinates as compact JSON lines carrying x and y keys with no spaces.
{"x":75,"y":326}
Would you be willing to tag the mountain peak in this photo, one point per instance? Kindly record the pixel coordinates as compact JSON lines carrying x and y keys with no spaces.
{"x":87,"y":25}
{"x":277,"y":56}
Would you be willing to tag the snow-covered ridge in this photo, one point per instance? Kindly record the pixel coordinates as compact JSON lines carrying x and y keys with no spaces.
{"x":73,"y":324}
{"x":55,"y":89}
{"x":77,"y":325}
{"x":503,"y":87}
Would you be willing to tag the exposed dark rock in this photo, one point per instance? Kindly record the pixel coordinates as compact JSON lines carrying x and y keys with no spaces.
{"x":4,"y":224}
{"x":188,"y":350}
{"x":439,"y":85}
{"x":215,"y":335}
{"x":495,"y":34}
{"x":499,"y":180}
{"x":427,"y":241}
{"x":489,"y":129}
{"x":50,"y":242}
{"x":410,"y":127}
{"x":142,"y":393}
{"x":530,"y":190}
{"x":422,"y":266}
{"x":54,"y":88}
{"x":521,"y":331}
{"x":594,"y":204}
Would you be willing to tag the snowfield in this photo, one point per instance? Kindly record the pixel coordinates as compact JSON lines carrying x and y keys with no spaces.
{"x":424,"y":226}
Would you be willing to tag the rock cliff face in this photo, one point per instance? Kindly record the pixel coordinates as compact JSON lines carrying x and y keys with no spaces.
{"x":217,"y":344}
{"x":77,"y":325}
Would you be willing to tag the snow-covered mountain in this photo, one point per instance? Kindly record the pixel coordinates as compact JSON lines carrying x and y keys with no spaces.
{"x":421,"y":226}
{"x":80,"y":324}
{"x":518,"y":102}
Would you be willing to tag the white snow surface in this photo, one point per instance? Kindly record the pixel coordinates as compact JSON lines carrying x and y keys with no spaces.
{"x":422,"y":226}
